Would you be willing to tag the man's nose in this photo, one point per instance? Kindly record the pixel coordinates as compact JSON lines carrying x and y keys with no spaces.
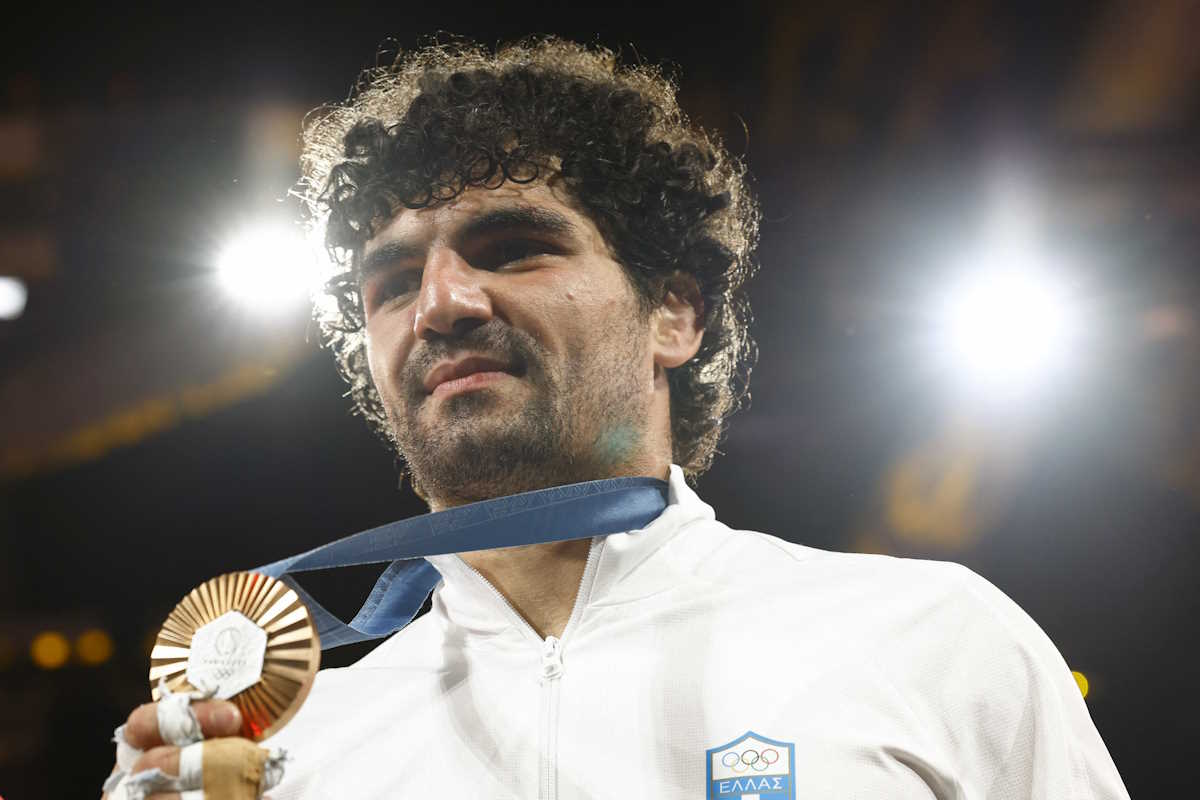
{"x":453,"y":297}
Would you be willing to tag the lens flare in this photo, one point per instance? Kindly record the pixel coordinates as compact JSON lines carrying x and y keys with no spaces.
{"x":50,"y":650}
{"x":1081,"y":681}
{"x":1007,"y":328}
{"x":13,"y":295}
{"x":94,"y":646}
{"x":268,"y":268}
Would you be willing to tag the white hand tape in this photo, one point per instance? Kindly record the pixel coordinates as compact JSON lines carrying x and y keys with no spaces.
{"x":177,"y":723}
{"x":141,"y":785}
{"x":191,"y":766}
{"x":127,"y":754}
{"x":113,"y":783}
{"x":273,"y":769}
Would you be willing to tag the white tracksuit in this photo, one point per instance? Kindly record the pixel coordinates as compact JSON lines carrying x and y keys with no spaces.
{"x":704,"y":662}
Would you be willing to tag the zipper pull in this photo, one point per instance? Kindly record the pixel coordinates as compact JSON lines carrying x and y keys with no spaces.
{"x":552,"y":658}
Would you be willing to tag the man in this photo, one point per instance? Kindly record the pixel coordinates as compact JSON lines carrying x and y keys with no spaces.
{"x":539,"y":268}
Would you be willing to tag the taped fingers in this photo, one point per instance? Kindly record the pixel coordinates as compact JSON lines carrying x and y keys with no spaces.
{"x":164,"y":758}
{"x":191,"y":767}
{"x":238,"y":769}
{"x":127,"y":757}
{"x":215,"y":717}
{"x":163,"y":770}
{"x":127,"y":754}
{"x":141,"y":785}
{"x":229,"y":769}
{"x":177,"y":722}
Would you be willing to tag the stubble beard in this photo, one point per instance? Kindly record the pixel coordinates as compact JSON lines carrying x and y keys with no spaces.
{"x":580,"y":422}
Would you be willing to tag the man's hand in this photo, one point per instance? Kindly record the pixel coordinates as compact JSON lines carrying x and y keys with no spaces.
{"x":217,"y":718}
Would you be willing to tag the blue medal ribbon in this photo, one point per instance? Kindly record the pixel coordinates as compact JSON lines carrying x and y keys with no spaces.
{"x":557,"y":514}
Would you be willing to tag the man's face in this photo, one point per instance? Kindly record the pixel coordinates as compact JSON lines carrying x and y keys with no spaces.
{"x":507,"y":345}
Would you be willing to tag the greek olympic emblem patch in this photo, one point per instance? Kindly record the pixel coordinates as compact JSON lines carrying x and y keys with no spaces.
{"x":752,"y":767}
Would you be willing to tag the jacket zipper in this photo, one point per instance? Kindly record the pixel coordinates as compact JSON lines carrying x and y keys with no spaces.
{"x":552,"y":667}
{"x":551,"y":670}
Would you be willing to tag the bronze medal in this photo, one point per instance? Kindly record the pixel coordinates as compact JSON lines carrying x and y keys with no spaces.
{"x":247,"y":637}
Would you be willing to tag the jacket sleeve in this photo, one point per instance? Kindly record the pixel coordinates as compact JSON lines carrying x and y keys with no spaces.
{"x":1041,"y":742}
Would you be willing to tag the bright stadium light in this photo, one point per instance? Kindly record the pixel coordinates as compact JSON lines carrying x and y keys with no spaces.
{"x":1008,"y":320}
{"x":1007,"y":324}
{"x":268,"y":268}
{"x":13,"y":295}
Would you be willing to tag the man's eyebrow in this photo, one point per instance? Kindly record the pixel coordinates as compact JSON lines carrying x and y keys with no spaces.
{"x":523,"y":219}
{"x":387,"y":254}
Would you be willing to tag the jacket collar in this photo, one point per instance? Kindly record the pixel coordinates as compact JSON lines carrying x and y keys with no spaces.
{"x":466,"y":600}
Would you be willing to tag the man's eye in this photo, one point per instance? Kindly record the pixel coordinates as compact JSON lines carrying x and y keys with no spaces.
{"x":395,"y":285}
{"x":510,"y":251}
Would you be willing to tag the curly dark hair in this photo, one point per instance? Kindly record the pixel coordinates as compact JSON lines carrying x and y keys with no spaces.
{"x":665,"y":193}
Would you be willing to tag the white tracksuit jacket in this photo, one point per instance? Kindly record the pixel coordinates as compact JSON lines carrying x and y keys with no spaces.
{"x":704,"y":662}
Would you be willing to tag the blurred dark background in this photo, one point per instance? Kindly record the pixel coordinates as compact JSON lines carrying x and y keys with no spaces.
{"x":155,"y":432}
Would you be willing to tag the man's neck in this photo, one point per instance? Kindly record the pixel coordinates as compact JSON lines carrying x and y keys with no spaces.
{"x":540,"y":581}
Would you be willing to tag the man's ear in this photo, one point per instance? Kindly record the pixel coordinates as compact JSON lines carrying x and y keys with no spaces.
{"x":677,"y":323}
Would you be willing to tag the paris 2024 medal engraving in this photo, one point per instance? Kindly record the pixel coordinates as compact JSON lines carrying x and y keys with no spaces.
{"x":246,"y":638}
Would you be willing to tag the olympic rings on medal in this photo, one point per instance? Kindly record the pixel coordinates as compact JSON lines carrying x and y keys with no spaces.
{"x":750,"y":759}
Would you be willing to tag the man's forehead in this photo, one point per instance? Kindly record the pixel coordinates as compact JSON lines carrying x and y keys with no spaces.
{"x":443,"y":220}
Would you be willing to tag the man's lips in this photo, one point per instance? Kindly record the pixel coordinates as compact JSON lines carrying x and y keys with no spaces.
{"x":446,"y":371}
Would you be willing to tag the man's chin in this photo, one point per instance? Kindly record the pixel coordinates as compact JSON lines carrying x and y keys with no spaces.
{"x":470,"y":425}
{"x":475,"y":407}
{"x":476,"y":453}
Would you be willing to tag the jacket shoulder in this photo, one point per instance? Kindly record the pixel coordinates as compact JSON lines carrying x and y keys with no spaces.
{"x":725,"y":553}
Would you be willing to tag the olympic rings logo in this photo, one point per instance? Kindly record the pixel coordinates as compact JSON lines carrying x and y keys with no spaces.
{"x":750,"y":759}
